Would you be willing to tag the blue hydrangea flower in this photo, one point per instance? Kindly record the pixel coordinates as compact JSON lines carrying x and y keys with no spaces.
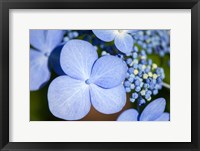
{"x":143,"y":78}
{"x":122,"y":38}
{"x":154,"y":111}
{"x":43,"y":41}
{"x":88,"y":81}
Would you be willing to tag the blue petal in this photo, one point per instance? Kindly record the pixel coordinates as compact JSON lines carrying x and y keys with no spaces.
{"x":164,"y":117}
{"x":105,"y":35}
{"x":153,"y":110}
{"x":37,"y":39}
{"x":77,"y":58}
{"x":68,"y":98}
{"x":39,"y":71}
{"x":45,"y":40}
{"x":124,"y":42}
{"x":108,"y":101}
{"x":132,"y":31}
{"x":128,"y":115}
{"x":54,"y":38}
{"x":55,"y":60}
{"x":108,"y":71}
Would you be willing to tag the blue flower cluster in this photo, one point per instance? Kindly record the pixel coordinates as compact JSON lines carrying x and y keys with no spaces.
{"x":143,"y":78}
{"x":154,"y":41}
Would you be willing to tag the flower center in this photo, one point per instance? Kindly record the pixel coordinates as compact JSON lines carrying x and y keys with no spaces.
{"x":88,"y":81}
{"x":47,"y":54}
{"x":120,"y":32}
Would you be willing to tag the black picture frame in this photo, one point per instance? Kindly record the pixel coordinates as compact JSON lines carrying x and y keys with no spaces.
{"x":5,"y":5}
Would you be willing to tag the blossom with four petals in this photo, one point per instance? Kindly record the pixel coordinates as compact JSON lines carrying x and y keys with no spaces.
{"x":122,"y":38}
{"x":88,"y":81}
{"x":44,"y":42}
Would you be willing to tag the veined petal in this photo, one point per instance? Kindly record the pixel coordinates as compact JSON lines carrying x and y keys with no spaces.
{"x":108,"y":72}
{"x":128,"y":115}
{"x":105,"y":35}
{"x":39,"y":71}
{"x":68,"y":98}
{"x":124,"y":42}
{"x":108,"y":101}
{"x":45,"y":40}
{"x":153,"y":110}
{"x":54,"y":38}
{"x":164,"y":117}
{"x":38,"y":38}
{"x":77,"y":58}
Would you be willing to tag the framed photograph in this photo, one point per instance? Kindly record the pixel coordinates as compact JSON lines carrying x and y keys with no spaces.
{"x":99,"y":75}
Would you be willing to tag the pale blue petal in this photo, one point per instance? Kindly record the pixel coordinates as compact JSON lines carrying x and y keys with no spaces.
{"x":54,"y":38}
{"x":38,"y":38}
{"x":77,"y":58}
{"x":108,"y":101}
{"x":105,"y":35}
{"x":128,"y":115}
{"x":45,"y":40}
{"x":39,"y":71}
{"x":164,"y":117}
{"x":68,"y":98}
{"x":124,"y":42}
{"x":153,"y":110}
{"x":108,"y":71}
{"x":132,"y":31}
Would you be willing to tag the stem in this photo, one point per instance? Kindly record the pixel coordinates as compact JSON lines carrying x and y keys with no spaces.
{"x":166,"y":85}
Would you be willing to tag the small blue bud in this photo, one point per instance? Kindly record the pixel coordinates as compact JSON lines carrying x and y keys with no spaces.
{"x":132,"y":100}
{"x":130,"y":70}
{"x":141,"y":102}
{"x":137,"y":89}
{"x":149,"y":51}
{"x":132,"y":75}
{"x":129,"y":61}
{"x":149,"y":92}
{"x":132,"y":86}
{"x":127,"y":83}
{"x":143,"y":53}
{"x":155,"y":92}
{"x":75,"y":34}
{"x":149,"y":62}
{"x":130,"y":79}
{"x":134,"y":55}
{"x":137,"y":82}
{"x":147,"y":96}
{"x":135,"y":95}
{"x":135,"y":48}
{"x":146,"y":85}
{"x":135,"y":66}
{"x":128,"y":89}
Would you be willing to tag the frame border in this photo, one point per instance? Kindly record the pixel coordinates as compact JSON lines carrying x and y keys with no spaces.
{"x":5,"y":5}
